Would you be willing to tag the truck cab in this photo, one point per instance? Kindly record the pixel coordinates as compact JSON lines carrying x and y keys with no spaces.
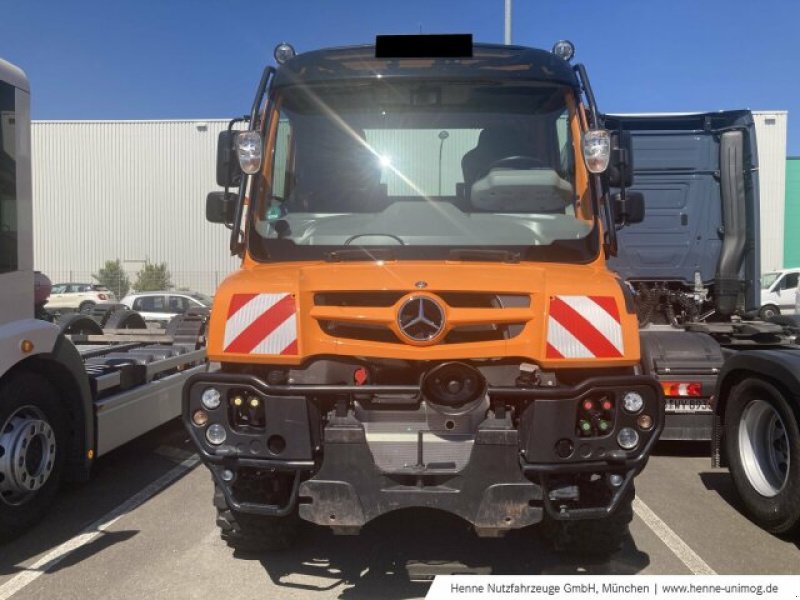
{"x":424,"y":315}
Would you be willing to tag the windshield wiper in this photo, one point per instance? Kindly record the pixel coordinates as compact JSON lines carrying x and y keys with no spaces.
{"x":359,"y":254}
{"x":484,"y":255}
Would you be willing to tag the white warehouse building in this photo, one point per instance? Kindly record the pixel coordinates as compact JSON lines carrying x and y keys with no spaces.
{"x":135,"y":191}
{"x":128,"y":190}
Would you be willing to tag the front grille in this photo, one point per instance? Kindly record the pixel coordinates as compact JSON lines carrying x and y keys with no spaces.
{"x":452,"y":299}
{"x":343,"y":318}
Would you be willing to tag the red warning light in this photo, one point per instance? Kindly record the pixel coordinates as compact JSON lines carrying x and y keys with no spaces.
{"x":360,"y":376}
{"x":588,"y":405}
{"x":607,"y":405}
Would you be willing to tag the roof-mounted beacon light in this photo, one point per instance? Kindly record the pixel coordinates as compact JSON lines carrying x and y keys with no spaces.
{"x":283,"y":52}
{"x":564,"y":49}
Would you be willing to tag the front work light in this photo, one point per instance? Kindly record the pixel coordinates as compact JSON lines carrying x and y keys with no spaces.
{"x":215,"y":434}
{"x":633,"y":402}
{"x":249,"y":149}
{"x":627,"y":438}
{"x":211,"y":398}
{"x":596,"y":150}
{"x":564,"y":49}
{"x":283,"y":52}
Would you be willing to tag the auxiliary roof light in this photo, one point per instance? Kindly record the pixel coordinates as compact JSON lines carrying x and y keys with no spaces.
{"x":564,"y":49}
{"x":283,"y":52}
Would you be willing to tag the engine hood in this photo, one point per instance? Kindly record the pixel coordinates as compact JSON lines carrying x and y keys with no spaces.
{"x":553,"y":315}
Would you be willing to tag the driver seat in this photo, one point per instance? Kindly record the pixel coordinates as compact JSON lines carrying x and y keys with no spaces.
{"x":494,"y":143}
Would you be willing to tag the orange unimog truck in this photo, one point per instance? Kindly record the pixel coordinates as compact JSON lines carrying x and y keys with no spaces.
{"x":424,"y":316}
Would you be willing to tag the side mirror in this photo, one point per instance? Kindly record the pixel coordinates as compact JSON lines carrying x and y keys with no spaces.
{"x":621,"y":160}
{"x":630,"y":210}
{"x":229,"y":173}
{"x":221,"y":207}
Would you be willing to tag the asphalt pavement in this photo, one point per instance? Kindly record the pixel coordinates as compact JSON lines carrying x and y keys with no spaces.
{"x":144,"y":527}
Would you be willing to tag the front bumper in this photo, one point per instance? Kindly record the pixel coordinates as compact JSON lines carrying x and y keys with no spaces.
{"x":513,"y":476}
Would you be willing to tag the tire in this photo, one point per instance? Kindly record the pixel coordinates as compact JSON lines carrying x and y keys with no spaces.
{"x":762,"y":440}
{"x":76,"y":323}
{"x":125,"y":319}
{"x":254,"y":533}
{"x":86,"y":306}
{"x":597,"y":538}
{"x":768,"y":311}
{"x":29,"y":401}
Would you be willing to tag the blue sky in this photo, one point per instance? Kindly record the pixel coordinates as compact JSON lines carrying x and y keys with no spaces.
{"x":162,"y":59}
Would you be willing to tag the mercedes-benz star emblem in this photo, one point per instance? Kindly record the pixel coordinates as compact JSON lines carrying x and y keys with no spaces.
{"x":421,"y":319}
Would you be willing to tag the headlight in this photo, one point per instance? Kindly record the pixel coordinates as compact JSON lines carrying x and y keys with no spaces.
{"x":596,"y":149}
{"x":633,"y":402}
{"x":215,"y":434}
{"x":211,"y":398}
{"x":627,"y":438}
{"x":249,"y":149}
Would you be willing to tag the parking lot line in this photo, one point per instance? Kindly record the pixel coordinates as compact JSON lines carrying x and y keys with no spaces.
{"x":671,"y":539}
{"x":55,"y":556}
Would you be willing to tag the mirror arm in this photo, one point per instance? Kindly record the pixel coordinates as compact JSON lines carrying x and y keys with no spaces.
{"x":237,"y":238}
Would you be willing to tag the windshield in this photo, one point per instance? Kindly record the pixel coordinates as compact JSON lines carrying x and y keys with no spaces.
{"x":422,"y":171}
{"x":767,"y":279}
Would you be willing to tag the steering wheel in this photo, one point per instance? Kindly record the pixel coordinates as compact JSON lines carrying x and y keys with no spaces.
{"x":350,"y":240}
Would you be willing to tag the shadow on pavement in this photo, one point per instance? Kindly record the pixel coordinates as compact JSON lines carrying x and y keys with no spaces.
{"x":683,"y":448}
{"x":398,"y":555}
{"x":115,"y":478}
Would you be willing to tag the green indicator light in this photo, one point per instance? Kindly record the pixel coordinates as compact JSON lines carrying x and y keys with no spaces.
{"x":603,"y":425}
{"x":585,"y":426}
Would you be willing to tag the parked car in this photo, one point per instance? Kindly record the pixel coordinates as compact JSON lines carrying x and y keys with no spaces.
{"x":78,"y":296}
{"x":778,"y":291}
{"x":160,"y":307}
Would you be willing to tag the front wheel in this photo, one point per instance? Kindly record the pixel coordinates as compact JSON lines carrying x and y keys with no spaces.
{"x":254,"y":533}
{"x":763,"y":446}
{"x":33,"y":448}
{"x":598,"y":538}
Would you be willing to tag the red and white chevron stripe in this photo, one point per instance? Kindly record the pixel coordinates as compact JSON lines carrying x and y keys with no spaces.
{"x":261,"y":324}
{"x":584,"y":327}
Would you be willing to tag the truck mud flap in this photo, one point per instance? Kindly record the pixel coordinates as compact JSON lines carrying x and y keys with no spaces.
{"x":490,"y":492}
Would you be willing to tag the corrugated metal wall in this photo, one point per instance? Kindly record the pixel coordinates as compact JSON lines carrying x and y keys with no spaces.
{"x":133,"y":190}
{"x":791,"y":245}
{"x":771,"y":139}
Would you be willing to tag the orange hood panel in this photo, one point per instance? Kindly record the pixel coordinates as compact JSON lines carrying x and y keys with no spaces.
{"x":561,"y":315}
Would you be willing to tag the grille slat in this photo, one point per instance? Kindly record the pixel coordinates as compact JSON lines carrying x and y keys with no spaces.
{"x":376,"y":328}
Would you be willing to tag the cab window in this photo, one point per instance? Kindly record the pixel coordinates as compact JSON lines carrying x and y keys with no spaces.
{"x":8,"y":181}
{"x":789,"y":282}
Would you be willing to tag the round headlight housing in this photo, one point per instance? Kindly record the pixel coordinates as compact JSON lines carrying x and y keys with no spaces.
{"x":596,"y":150}
{"x":215,"y":434}
{"x":633,"y":402}
{"x":627,"y":438}
{"x":211,"y":398}
{"x":249,"y":150}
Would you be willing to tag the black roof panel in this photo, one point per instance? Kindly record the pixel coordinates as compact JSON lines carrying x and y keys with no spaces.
{"x":489,"y":61}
